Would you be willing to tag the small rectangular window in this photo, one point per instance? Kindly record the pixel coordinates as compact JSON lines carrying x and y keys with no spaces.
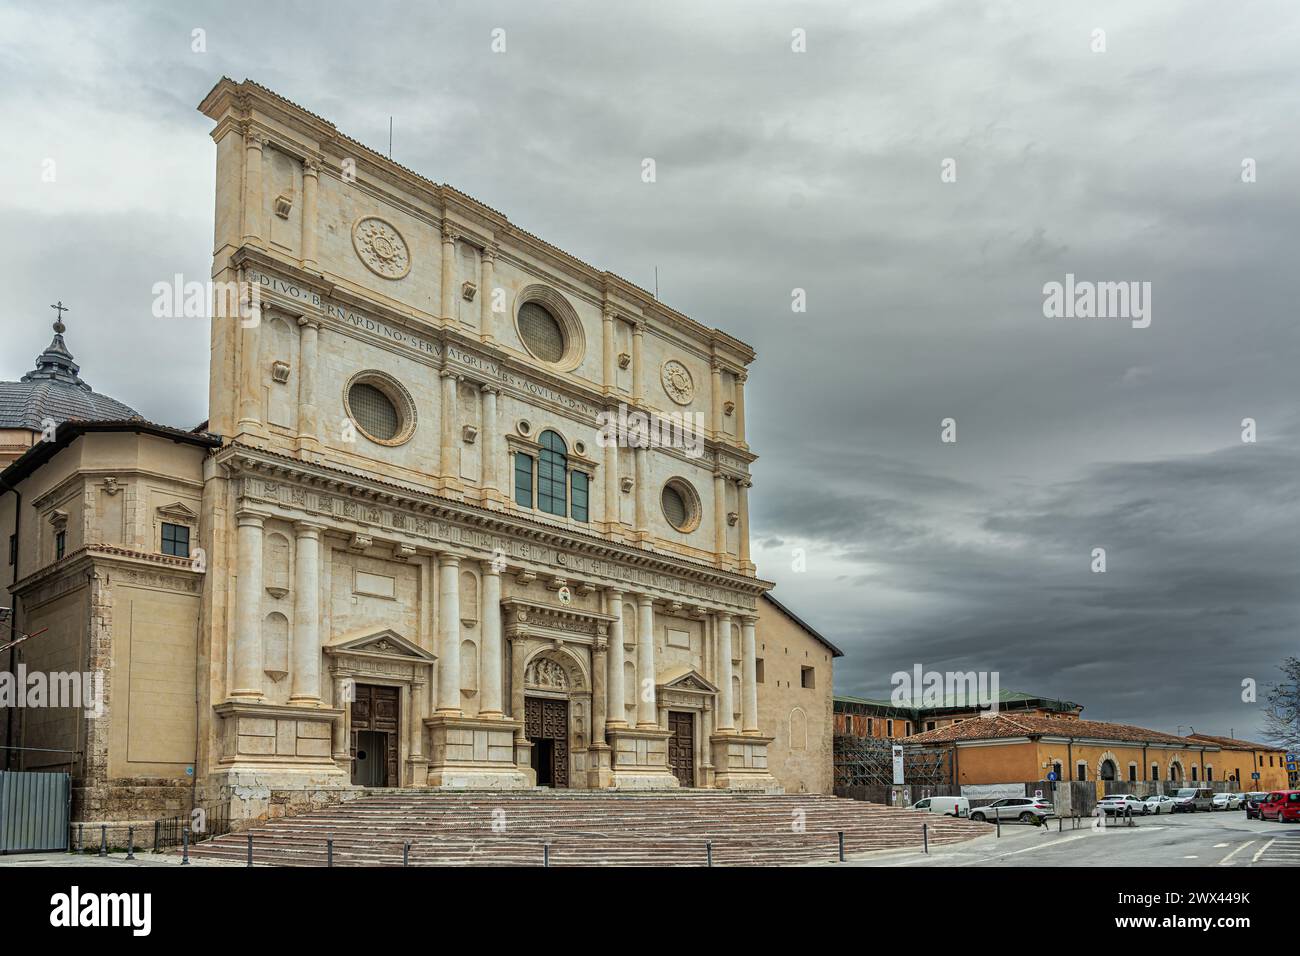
{"x":871,"y":727}
{"x":1155,"y":771}
{"x":579,"y":480}
{"x":807,"y":677}
{"x":889,"y":728}
{"x":758,"y":672}
{"x":176,"y":540}
{"x":524,"y":480}
{"x":929,"y":725}
{"x":1132,"y":773}
{"x":907,"y":729}
{"x":60,"y":544}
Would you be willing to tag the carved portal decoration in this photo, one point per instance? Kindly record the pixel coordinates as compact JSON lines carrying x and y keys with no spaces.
{"x":677,"y":382}
{"x":547,"y":674}
{"x":381,"y":247}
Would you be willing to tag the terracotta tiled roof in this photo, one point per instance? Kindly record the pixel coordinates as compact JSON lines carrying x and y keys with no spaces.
{"x":1232,"y":743}
{"x":1026,"y":725}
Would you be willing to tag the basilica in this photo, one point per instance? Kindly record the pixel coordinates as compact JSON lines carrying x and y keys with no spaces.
{"x":467,"y":512}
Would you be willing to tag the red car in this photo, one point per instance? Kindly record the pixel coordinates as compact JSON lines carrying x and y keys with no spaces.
{"x":1282,"y":806}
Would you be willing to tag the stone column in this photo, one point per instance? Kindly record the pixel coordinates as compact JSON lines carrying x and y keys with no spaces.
{"x":646,"y":714}
{"x":748,"y":677}
{"x":616,"y":715}
{"x":599,"y":698}
{"x":720,"y":517}
{"x":612,"y":511}
{"x":448,"y":271}
{"x":341,"y":737}
{"x":449,"y":635}
{"x":726,"y":707}
{"x":715,"y":407}
{"x":310,"y":184}
{"x":449,"y":459}
{"x":306,"y":616}
{"x":247,"y":639}
{"x":490,"y":659}
{"x":416,"y":721}
{"x":610,"y":369}
{"x":741,"y":378}
{"x":250,"y":370}
{"x":253,"y":143}
{"x":742,"y":506}
{"x":638,"y":379}
{"x":642,"y":493}
{"x":517,"y":682}
{"x":488,"y":441}
{"x":487,"y":319}
{"x":308,"y":424}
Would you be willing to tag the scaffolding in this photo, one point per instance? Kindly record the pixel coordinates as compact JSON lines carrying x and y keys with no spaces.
{"x":869,"y":762}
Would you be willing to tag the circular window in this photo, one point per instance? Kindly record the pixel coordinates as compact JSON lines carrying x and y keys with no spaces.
{"x":542,"y":335}
{"x":681,"y":505}
{"x":548,"y":327}
{"x":380,"y":407}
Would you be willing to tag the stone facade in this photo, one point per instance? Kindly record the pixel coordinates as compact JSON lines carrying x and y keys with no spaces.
{"x":525,"y":562}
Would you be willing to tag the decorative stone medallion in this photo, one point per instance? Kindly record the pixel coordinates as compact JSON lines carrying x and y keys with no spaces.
{"x":677,"y":382}
{"x":381,"y":247}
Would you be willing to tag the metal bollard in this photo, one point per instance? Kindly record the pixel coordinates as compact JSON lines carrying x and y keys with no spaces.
{"x":708,"y":853}
{"x":157,"y":834}
{"x":925,"y":836}
{"x":546,"y":854}
{"x":997,"y":819}
{"x":841,"y":833}
{"x":406,"y":853}
{"x":81,"y":837}
{"x":329,"y":852}
{"x":250,"y":849}
{"x":103,"y":840}
{"x":185,"y":846}
{"x":1060,"y":824}
{"x":130,"y":843}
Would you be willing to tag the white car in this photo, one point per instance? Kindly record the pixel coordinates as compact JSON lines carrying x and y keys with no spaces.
{"x":1228,"y":801}
{"x":1119,"y":804}
{"x":1159,"y":803}
{"x":1024,"y":809}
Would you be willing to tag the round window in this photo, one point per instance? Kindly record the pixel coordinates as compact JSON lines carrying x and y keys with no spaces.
{"x":681,"y":505}
{"x":381,"y":408}
{"x":541,"y":333}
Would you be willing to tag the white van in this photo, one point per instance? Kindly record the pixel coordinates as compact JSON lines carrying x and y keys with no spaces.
{"x":948,"y":806}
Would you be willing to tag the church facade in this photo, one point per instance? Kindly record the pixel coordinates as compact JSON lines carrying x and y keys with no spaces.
{"x":467,"y":512}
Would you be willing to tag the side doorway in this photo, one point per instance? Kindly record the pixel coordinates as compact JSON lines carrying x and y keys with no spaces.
{"x":375,"y":728}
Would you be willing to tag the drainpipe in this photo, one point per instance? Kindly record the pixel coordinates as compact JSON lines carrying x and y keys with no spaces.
{"x":13,"y":619}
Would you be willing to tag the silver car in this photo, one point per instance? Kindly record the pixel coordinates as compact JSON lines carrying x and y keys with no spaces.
{"x":1228,"y":801}
{"x":1024,"y":809}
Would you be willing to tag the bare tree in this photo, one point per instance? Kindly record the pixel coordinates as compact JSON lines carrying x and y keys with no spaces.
{"x":1282,"y":710}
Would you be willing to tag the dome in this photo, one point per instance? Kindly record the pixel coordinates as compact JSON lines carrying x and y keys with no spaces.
{"x":54,"y":391}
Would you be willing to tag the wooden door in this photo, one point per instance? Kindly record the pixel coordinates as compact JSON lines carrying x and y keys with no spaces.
{"x":547,"y":719}
{"x":377,"y":709}
{"x":681,"y":746}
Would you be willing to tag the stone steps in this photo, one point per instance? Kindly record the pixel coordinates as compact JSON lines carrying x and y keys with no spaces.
{"x":583,"y":829}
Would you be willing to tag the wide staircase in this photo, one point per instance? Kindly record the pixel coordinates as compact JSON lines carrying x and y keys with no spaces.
{"x":576,"y":828}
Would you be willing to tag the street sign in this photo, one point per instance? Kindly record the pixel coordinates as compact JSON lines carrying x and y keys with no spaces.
{"x":1255,"y":775}
{"x":1052,"y":775}
{"x":1038,"y":794}
{"x":898,"y":765}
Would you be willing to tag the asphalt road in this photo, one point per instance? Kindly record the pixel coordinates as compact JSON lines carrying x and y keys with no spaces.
{"x":1214,"y":838}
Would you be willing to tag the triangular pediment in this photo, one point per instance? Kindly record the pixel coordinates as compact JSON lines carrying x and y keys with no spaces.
{"x":387,"y":643}
{"x":685,"y":677}
{"x":178,"y":509}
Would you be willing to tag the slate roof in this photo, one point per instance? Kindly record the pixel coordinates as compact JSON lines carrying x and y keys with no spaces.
{"x":1026,"y":725}
{"x":54,"y":390}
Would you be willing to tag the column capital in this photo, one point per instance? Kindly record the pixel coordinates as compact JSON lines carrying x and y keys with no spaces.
{"x":491,"y":566}
{"x":306,"y":322}
{"x":447,"y":560}
{"x":308,"y":529}
{"x":645,"y":600}
{"x":311,"y":166}
{"x":747,"y":620}
{"x":489,"y":389}
{"x":250,"y":519}
{"x":490,"y":252}
{"x":451,"y":373}
{"x":449,"y":232}
{"x":742,"y":376}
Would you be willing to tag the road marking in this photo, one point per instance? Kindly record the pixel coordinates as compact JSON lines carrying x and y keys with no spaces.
{"x":1255,"y":858}
{"x":1189,"y":858}
{"x":1220,"y":846}
{"x":1224,"y":861}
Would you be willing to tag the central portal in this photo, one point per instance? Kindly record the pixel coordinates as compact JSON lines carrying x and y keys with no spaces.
{"x":374,"y":736}
{"x":681,"y":746}
{"x":546,"y":725}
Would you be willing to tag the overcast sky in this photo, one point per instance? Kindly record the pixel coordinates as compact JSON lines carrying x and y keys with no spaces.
{"x":817,"y":170}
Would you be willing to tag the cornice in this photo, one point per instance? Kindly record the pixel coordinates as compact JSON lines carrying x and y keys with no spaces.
{"x":240,"y":459}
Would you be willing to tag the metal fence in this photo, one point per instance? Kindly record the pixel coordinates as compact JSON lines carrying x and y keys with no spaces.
{"x":202,"y":823}
{"x":34,"y":811}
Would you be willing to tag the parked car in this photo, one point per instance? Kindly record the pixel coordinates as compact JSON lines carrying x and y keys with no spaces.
{"x":948,"y":806}
{"x":1159,"y":803}
{"x":1282,"y":806}
{"x":1252,"y":804}
{"x":1117,"y":804}
{"x":1024,"y":809}
{"x":1228,"y":801}
{"x":1189,"y":799}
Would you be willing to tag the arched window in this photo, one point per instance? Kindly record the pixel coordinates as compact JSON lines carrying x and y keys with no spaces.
{"x":1107,"y":770}
{"x":552,"y":474}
